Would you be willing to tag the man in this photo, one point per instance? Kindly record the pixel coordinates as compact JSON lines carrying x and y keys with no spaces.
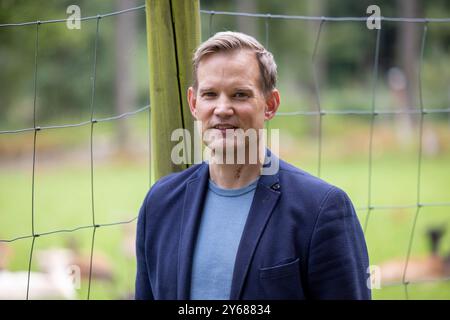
{"x":226,"y":230}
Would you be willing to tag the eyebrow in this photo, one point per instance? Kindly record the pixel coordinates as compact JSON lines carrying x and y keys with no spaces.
{"x":238,"y":88}
{"x":243,"y":88}
{"x":206,"y":89}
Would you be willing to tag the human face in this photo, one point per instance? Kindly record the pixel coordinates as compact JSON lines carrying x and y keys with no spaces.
{"x":229,"y":96}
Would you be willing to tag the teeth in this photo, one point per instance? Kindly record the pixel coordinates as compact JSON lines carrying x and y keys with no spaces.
{"x":224,"y":127}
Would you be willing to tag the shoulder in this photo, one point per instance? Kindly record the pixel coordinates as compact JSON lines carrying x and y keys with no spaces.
{"x":314,"y":192}
{"x":178,"y":178}
{"x":171,"y":185}
{"x":297,"y":179}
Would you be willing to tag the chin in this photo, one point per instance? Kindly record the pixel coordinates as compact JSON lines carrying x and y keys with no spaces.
{"x":232,"y":147}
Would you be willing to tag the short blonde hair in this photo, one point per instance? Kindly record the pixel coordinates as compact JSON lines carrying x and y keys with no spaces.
{"x":229,"y":41}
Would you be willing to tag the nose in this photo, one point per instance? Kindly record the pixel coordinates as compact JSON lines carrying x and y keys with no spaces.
{"x":223,"y":107}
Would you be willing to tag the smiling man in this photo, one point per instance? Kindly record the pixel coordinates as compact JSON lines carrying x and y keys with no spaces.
{"x":225,"y":229}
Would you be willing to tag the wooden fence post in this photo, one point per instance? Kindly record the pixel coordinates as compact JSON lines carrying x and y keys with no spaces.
{"x":173,"y":33}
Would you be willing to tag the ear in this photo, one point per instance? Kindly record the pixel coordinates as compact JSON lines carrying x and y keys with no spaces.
{"x":192,"y":100}
{"x":272,"y":104}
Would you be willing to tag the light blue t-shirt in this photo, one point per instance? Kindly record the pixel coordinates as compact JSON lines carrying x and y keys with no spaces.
{"x":223,"y":219}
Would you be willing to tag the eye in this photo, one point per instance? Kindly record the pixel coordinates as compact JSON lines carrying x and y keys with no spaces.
{"x":208,"y":94}
{"x":241,"y":95}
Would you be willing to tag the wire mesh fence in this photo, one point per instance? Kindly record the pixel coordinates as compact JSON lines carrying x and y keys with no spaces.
{"x":318,"y":112}
{"x":92,"y":123}
{"x":372,"y":114}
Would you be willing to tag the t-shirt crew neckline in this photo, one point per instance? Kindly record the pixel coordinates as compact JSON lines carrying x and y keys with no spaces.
{"x":232,"y":192}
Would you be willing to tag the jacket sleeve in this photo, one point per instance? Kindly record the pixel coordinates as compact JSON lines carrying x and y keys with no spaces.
{"x":143,"y":287}
{"x":338,"y":261}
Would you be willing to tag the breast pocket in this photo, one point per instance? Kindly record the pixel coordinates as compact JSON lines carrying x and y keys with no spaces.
{"x":282,"y":281}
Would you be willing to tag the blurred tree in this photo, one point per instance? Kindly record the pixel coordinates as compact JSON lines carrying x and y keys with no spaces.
{"x":344,"y":60}
{"x":407,"y":59}
{"x":316,"y":8}
{"x":245,"y":24}
{"x":125,"y":84}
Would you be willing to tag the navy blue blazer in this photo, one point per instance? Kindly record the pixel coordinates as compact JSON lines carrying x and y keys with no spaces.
{"x":302,"y":239}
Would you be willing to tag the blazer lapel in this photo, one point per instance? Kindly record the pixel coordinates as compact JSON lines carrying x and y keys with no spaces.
{"x":192,"y":209}
{"x":264,"y":201}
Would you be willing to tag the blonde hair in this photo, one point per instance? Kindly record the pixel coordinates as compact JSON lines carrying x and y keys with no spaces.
{"x":229,"y":41}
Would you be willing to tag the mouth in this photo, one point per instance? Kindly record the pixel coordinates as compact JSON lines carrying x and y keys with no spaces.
{"x":224,"y":127}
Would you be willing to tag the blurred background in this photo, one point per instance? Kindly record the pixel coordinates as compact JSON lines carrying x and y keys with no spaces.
{"x":384,"y":177}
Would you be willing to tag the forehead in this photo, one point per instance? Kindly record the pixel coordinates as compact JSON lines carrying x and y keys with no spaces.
{"x":237,"y":67}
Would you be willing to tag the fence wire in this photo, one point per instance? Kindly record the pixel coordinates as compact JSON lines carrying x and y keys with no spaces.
{"x":319,"y":112}
{"x":373,"y":113}
{"x":92,"y":122}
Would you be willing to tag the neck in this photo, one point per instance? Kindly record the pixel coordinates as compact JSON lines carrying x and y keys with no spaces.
{"x":234,"y":176}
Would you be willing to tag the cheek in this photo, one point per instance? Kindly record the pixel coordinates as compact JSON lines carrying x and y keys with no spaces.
{"x":253,"y":118}
{"x":202,"y":112}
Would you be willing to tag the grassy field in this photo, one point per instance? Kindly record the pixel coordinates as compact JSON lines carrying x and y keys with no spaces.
{"x":63,"y":199}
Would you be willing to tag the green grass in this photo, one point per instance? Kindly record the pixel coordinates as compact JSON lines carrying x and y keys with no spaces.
{"x":63,"y":196}
{"x":394,"y":183}
{"x":63,"y":202}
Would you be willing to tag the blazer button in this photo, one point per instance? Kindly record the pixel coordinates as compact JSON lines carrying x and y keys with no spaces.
{"x":276,"y":186}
